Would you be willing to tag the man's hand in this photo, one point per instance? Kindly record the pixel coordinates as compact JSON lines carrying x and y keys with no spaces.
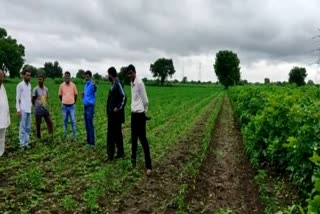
{"x":19,"y":115}
{"x":115,"y":109}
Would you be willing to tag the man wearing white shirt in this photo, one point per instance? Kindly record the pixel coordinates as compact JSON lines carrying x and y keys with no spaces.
{"x":4,"y":113}
{"x":23,"y":105}
{"x":139,"y":107}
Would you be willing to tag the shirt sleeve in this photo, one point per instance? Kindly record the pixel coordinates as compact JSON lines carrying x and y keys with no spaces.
{"x":144,"y":96}
{"x":122,"y":95}
{"x":18,"y":96}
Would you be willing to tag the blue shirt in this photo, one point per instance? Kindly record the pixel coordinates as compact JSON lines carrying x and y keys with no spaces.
{"x":89,"y":96}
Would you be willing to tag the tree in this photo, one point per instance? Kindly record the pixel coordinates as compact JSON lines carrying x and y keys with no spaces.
{"x":97,"y":76}
{"x":266,"y":81}
{"x":123,"y":76}
{"x":11,"y":54}
{"x":297,"y":75}
{"x":310,"y":82}
{"x":227,"y":68}
{"x":53,"y":70}
{"x":162,"y":68}
{"x":32,"y":69}
{"x":184,"y":79}
{"x":80,"y":74}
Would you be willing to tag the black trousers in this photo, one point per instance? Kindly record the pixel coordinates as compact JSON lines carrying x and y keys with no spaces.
{"x":114,"y":137}
{"x":48,"y":120}
{"x":138,"y":130}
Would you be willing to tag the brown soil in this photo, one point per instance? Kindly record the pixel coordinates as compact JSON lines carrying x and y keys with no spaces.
{"x":226,"y":180}
{"x":154,"y":194}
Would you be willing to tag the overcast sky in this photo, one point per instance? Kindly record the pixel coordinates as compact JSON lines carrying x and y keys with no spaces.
{"x":269,"y":36}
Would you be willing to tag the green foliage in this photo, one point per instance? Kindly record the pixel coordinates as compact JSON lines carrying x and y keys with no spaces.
{"x":68,"y":202}
{"x":11,"y":54}
{"x":97,"y":76}
{"x":53,"y":70}
{"x":80,"y":74}
{"x":297,"y":76}
{"x":227,"y":68}
{"x":281,"y":128}
{"x":123,"y":76}
{"x":162,"y":68}
{"x":32,"y":69}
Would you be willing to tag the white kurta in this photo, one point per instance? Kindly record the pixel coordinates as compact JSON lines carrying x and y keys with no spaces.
{"x":4,"y":117}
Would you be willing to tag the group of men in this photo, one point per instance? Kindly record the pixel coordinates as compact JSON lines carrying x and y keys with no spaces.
{"x":38,"y":98}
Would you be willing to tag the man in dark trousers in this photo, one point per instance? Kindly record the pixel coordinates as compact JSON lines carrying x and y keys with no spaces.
{"x":115,"y":112}
{"x":139,"y":107}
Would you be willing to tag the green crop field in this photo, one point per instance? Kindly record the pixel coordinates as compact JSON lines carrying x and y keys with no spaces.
{"x":64,"y":177}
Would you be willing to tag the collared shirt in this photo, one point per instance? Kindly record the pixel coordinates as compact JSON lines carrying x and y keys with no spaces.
{"x":139,"y":99}
{"x":4,"y":108}
{"x":23,"y":98}
{"x":89,"y":94}
{"x":68,"y":92}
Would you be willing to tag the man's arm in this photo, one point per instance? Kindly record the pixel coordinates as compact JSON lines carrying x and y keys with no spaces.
{"x":122,"y":97}
{"x":18,"y":95}
{"x":144,"y":96}
{"x":60,"y":93}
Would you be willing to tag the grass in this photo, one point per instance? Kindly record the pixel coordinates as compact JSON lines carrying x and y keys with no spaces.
{"x":69,"y":177}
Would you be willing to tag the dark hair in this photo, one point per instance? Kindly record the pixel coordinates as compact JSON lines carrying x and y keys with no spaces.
{"x":26,"y":70}
{"x":41,"y":75}
{"x":88,"y":72}
{"x":112,"y":71}
{"x":67,"y":73}
{"x":131,"y":68}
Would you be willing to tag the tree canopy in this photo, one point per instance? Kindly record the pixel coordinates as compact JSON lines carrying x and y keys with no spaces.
{"x":32,"y":69}
{"x":162,"y":68}
{"x":227,"y":68}
{"x":297,"y":75}
{"x":123,"y":76}
{"x":53,"y":70}
{"x":80,"y":74}
{"x":11,"y":54}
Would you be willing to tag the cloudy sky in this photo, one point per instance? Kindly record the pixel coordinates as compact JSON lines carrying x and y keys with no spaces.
{"x":269,"y":36}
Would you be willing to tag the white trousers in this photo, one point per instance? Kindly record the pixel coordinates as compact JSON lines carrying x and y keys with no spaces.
{"x":2,"y":140}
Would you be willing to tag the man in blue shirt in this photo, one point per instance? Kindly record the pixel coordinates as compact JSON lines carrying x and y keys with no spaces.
{"x":89,"y":100}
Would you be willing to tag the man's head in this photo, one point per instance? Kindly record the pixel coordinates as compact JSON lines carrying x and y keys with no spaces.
{"x":26,"y":73}
{"x":131,"y":71}
{"x":1,"y":76}
{"x":67,"y":77}
{"x":40,"y":80}
{"x":112,"y":74}
{"x":88,"y":75}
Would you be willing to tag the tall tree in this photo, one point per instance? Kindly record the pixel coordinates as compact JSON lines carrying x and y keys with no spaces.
{"x":32,"y":69}
{"x":53,"y":70}
{"x":11,"y":54}
{"x":123,"y":76}
{"x":97,"y":76}
{"x":297,"y":75}
{"x":227,"y":68}
{"x":80,"y":74}
{"x":162,"y":68}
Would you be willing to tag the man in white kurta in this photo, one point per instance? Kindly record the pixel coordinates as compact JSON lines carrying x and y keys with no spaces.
{"x":4,"y":113}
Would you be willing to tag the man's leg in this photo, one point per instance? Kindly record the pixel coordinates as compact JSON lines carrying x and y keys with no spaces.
{"x":73,"y":121}
{"x":38,"y":125}
{"x":118,"y":136}
{"x":91,"y":126}
{"x":65,"y":121}
{"x":110,"y":138}
{"x":2,"y":141}
{"x":28,"y":127}
{"x":48,"y":120}
{"x":22,"y":128}
{"x":134,"y":137}
{"x":144,"y":141}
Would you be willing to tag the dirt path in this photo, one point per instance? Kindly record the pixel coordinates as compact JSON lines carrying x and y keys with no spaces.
{"x":156,"y":193}
{"x":226,"y":181}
